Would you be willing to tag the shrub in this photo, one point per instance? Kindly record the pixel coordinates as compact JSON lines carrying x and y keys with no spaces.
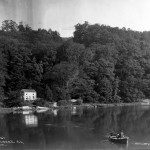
{"x":13,"y":100}
{"x":102,"y":99}
{"x":117,"y":99}
{"x":12,"y":103}
{"x":63,"y":103}
{"x":79,"y":102}
{"x":1,"y":104}
{"x":89,"y":99}
{"x":39,"y":102}
{"x":27,"y":103}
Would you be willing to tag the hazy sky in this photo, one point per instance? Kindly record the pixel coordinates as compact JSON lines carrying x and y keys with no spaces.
{"x":62,"y":15}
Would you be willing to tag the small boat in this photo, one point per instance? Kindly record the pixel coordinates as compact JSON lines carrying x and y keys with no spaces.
{"x":121,"y":140}
{"x":41,"y":109}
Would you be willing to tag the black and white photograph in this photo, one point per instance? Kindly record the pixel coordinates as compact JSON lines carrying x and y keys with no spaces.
{"x":74,"y":74}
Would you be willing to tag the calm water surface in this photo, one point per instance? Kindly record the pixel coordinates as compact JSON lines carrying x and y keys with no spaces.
{"x":76,"y":129}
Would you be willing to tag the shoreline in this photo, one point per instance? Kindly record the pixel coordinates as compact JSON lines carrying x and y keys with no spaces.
{"x":103,"y":105}
{"x":4,"y":110}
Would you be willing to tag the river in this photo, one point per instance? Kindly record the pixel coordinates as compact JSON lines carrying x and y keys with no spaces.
{"x":76,"y":129}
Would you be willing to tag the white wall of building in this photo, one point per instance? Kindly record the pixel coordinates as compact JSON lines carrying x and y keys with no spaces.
{"x":30,"y":95}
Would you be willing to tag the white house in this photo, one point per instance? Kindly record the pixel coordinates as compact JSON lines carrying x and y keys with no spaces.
{"x":28,"y":94}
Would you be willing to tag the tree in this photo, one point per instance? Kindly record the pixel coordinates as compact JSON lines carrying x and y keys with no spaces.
{"x":70,"y":52}
{"x":3,"y":73}
{"x":80,"y":32}
{"x":49,"y":94}
{"x":21,"y":27}
{"x":83,"y":87}
{"x":9,"y":26}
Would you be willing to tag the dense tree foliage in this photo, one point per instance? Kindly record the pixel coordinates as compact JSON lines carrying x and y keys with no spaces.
{"x":99,"y":64}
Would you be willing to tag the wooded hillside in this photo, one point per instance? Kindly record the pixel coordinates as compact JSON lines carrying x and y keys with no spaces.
{"x":98,"y":64}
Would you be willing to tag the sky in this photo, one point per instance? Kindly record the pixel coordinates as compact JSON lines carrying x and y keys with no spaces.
{"x":63,"y":15}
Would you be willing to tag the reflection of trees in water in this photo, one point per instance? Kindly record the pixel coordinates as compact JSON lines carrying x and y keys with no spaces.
{"x":82,"y":128}
{"x":107,"y":120}
{"x":3,"y":127}
{"x":132,"y":120}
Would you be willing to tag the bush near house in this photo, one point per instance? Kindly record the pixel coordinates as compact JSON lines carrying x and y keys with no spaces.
{"x":27,"y":103}
{"x":40,"y":102}
{"x":63,"y":103}
{"x":12,"y":103}
{"x":13,"y":100}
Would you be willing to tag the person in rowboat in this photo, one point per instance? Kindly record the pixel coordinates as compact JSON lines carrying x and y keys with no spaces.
{"x":120,"y":135}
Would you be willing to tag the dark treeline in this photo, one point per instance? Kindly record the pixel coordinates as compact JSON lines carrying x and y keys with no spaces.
{"x":99,"y":64}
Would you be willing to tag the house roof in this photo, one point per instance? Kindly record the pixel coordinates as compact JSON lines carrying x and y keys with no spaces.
{"x":28,"y":90}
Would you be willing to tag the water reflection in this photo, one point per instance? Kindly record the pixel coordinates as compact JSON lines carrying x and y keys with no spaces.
{"x":74,"y":110}
{"x":55,"y":111}
{"x":79,"y":128}
{"x":31,"y":120}
{"x":27,"y":112}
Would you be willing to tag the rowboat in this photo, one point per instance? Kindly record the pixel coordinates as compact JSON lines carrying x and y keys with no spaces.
{"x":121,"y":140}
{"x":41,"y":109}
